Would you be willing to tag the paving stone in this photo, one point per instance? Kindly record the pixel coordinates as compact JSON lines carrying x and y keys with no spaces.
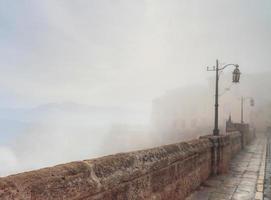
{"x":243,"y":196}
{"x":258,"y":196}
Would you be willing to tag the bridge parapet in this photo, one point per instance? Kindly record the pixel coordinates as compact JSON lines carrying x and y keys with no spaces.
{"x":247,"y":134}
{"x":224,"y":148}
{"x":166,"y":172}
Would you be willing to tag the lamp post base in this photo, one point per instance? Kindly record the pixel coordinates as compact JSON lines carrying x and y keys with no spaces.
{"x":216,"y":132}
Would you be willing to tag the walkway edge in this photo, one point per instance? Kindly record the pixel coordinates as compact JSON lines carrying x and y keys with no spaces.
{"x":260,"y":181}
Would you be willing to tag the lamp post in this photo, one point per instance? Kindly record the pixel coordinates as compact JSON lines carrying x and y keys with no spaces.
{"x":243,"y":99}
{"x":235,"y":79}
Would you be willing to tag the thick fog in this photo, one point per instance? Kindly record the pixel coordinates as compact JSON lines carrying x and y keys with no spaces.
{"x":83,"y":79}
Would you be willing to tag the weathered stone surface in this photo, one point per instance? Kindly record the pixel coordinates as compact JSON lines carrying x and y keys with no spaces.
{"x":69,"y":180}
{"x":160,"y":172}
{"x":236,"y":142}
{"x":167,"y":172}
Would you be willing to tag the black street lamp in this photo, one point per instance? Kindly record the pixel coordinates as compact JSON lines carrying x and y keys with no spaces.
{"x":243,"y":99}
{"x":235,"y":79}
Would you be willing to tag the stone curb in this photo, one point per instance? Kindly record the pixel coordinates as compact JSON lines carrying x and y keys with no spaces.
{"x":260,"y":180}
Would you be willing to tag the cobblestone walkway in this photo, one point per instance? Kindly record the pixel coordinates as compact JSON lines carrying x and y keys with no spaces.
{"x":244,"y":180}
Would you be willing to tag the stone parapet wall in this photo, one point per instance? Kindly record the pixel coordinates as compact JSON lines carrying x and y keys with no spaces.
{"x":247,"y":135}
{"x":167,"y":172}
{"x":221,"y":153}
{"x":236,"y":142}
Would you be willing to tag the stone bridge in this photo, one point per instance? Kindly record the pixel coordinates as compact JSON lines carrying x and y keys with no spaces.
{"x":230,"y":166}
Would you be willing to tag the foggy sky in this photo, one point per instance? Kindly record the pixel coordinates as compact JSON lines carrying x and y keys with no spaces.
{"x":75,"y":73}
{"x":121,"y":52}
